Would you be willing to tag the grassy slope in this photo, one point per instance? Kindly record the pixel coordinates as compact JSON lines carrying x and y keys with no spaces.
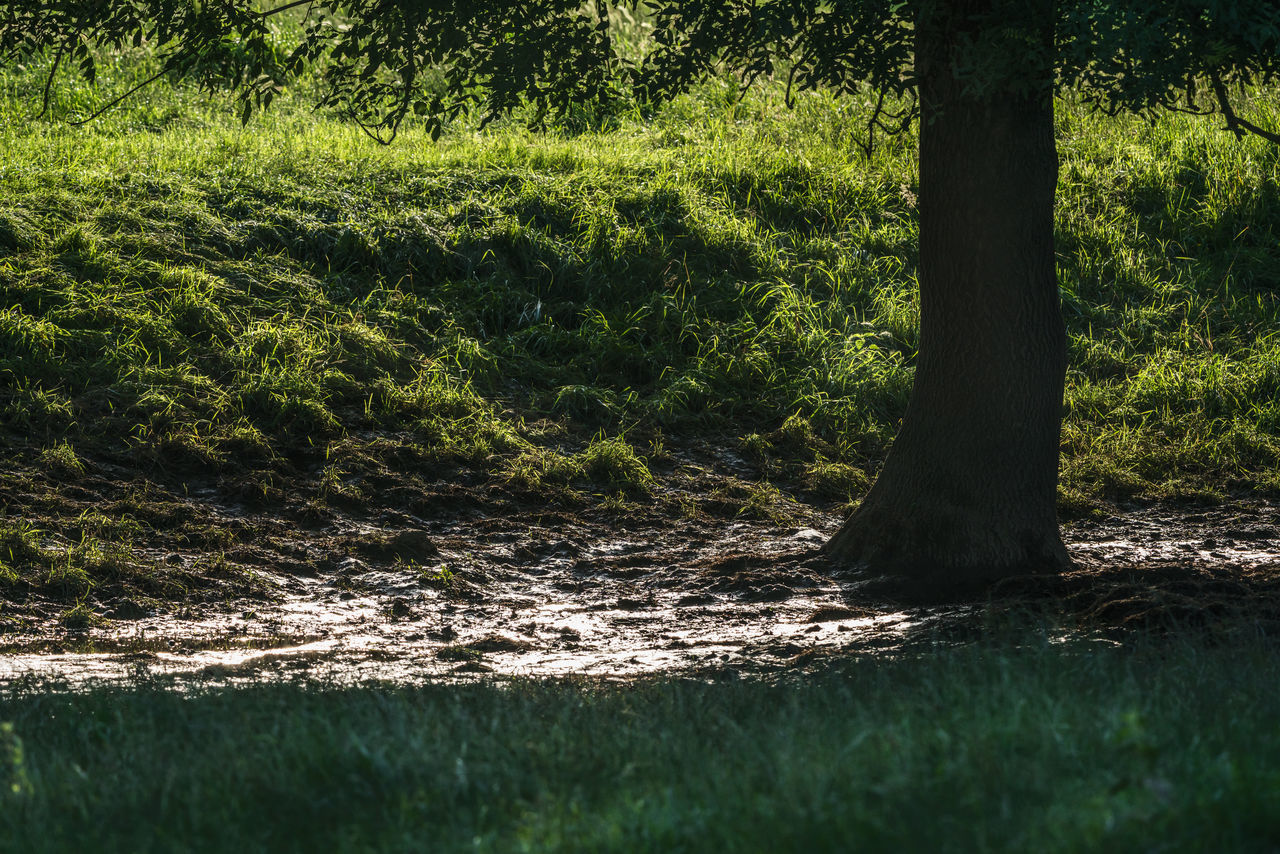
{"x":1044,"y":748}
{"x":291,"y":282}
{"x":288,"y":311}
{"x":170,"y":281}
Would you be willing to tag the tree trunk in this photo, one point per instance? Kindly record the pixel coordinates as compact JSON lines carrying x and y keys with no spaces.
{"x":968,"y":492}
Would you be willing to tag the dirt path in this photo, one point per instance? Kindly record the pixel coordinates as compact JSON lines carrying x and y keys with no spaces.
{"x":518,"y":590}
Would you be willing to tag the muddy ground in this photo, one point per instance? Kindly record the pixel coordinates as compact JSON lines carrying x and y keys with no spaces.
{"x":444,"y":579}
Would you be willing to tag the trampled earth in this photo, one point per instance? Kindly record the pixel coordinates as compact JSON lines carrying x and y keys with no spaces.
{"x":461,"y":580}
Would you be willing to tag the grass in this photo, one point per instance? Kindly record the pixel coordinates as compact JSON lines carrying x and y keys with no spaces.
{"x":218,"y":298}
{"x":37,"y":567}
{"x":286,"y":310}
{"x":985,"y":747}
{"x":288,"y":316}
{"x":288,"y":313}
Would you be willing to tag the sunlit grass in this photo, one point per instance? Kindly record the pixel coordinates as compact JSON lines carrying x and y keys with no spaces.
{"x":172,"y":281}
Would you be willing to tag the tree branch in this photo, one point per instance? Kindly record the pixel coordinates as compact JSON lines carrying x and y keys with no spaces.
{"x":374,"y":132}
{"x":1235,"y":124}
{"x":285,"y":8}
{"x":48,"y":83}
{"x":153,"y":78}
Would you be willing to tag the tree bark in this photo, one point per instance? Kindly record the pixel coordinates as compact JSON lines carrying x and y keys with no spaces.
{"x":968,"y":492}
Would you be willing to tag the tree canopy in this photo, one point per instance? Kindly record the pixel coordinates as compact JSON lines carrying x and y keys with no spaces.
{"x":386,"y":60}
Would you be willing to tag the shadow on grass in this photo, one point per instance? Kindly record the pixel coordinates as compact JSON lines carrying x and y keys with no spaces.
{"x":1011,"y":742}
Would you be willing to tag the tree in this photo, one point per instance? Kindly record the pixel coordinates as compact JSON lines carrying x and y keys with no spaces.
{"x":970,"y":484}
{"x":968,"y":491}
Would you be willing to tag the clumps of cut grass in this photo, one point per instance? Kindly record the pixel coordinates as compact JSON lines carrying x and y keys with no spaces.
{"x":62,"y":461}
{"x":618,"y":503}
{"x":78,"y":618}
{"x":34,"y":410}
{"x":476,"y":438}
{"x":101,"y":565}
{"x":838,"y":481}
{"x":613,"y":461}
{"x":336,"y":487}
{"x":766,"y":502}
{"x":76,"y":570}
{"x":756,"y":447}
{"x":80,"y":241}
{"x":798,"y":437}
{"x":17,"y":231}
{"x":758,"y":500}
{"x":608,"y":461}
{"x":587,"y":403}
{"x":68,"y":576}
{"x":459,"y":654}
{"x":19,"y":541}
{"x":543,"y":468}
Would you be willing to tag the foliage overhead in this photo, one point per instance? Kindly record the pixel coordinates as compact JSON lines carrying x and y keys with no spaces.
{"x":219,"y":43}
{"x":386,"y":60}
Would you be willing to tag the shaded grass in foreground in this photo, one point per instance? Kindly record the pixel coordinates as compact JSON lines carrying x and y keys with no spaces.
{"x":987,"y":746}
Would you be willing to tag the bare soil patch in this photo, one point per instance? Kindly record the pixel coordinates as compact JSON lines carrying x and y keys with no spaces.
{"x":483,"y":580}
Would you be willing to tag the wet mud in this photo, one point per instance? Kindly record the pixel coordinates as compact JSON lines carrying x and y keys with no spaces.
{"x":514,"y":589}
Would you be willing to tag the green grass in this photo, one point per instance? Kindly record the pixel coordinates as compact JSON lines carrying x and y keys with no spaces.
{"x":187,"y":289}
{"x":37,"y":567}
{"x":288,"y":311}
{"x":986,"y":747}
